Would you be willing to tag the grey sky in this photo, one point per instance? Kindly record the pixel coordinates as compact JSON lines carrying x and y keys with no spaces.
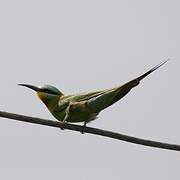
{"x":81,"y":46}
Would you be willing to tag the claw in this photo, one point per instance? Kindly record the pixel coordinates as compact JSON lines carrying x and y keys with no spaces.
{"x":83,"y":127}
{"x":62,"y":125}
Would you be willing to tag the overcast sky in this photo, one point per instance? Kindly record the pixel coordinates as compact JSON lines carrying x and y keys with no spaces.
{"x":81,"y":46}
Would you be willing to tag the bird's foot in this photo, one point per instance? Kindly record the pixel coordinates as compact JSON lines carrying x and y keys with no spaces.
{"x":83,"y":128}
{"x":82,"y":132}
{"x":62,"y":125}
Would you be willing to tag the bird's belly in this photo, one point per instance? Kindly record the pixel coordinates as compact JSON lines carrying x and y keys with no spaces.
{"x":76,"y":112}
{"x":59,"y":115}
{"x":75,"y":116}
{"x":81,"y":117}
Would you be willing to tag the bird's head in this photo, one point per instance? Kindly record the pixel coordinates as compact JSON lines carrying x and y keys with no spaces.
{"x":47,"y":93}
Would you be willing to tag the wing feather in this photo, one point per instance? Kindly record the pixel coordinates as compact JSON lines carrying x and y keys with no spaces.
{"x":85,"y":96}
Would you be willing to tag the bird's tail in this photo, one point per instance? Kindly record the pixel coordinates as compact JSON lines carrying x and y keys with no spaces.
{"x":111,"y":96}
{"x":151,"y":70}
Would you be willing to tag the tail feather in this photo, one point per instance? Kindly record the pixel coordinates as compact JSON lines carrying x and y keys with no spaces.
{"x":151,"y":70}
{"x":109,"y":97}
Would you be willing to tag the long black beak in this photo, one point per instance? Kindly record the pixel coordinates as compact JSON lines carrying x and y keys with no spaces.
{"x":150,"y":71}
{"x":31,"y":87}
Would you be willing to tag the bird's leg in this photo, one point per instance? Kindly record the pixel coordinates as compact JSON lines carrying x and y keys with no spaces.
{"x":83,"y":127}
{"x":64,"y":121}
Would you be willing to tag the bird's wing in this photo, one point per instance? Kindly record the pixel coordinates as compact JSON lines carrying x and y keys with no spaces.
{"x":87,"y":96}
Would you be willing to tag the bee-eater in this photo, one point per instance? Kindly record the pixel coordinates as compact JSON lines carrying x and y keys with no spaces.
{"x":83,"y":107}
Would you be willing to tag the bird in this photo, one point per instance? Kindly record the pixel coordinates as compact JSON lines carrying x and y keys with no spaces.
{"x":83,"y":107}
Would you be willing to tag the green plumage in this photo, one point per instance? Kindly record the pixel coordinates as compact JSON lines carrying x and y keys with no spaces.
{"x":83,"y":107}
